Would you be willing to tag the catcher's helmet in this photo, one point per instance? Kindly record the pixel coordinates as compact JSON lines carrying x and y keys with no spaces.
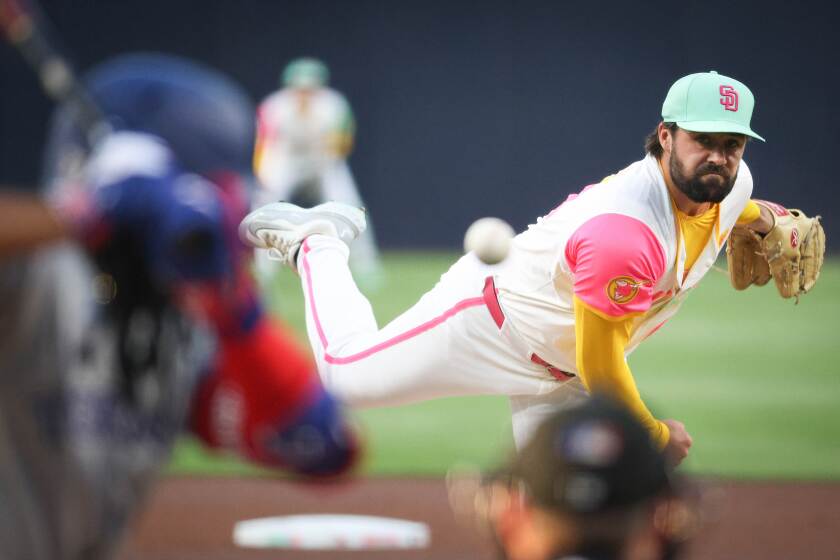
{"x":306,"y":73}
{"x":207,"y":120}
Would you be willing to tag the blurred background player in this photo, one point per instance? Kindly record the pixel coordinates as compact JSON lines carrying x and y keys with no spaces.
{"x":590,"y":485}
{"x":305,"y":134}
{"x":128,"y":314}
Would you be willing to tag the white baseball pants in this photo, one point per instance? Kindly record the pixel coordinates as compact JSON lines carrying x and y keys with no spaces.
{"x":454,"y":341}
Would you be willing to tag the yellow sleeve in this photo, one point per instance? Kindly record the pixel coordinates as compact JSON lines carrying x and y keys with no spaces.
{"x":259,"y":154}
{"x":599,"y":353}
{"x":340,"y":141}
{"x":750,"y":214}
{"x":259,"y":143}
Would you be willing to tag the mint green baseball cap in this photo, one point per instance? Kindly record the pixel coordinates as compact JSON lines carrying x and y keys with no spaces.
{"x":710,"y":102}
{"x":305,"y":72}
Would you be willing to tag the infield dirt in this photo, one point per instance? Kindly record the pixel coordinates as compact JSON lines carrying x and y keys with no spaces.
{"x":193,"y":518}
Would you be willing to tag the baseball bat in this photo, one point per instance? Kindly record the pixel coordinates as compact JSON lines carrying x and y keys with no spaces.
{"x":24,"y":27}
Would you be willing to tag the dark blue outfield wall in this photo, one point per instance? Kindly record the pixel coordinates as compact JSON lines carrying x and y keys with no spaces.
{"x":486,"y":107}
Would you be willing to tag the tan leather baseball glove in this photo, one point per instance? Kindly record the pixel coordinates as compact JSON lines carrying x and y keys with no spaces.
{"x":792,"y":253}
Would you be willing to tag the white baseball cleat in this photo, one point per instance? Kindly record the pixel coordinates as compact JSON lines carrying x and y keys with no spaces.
{"x":281,"y":227}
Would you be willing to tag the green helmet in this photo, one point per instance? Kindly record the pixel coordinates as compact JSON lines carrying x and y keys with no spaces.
{"x":305,"y":73}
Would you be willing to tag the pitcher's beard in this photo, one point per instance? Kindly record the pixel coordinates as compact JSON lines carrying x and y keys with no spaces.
{"x":709,"y":183}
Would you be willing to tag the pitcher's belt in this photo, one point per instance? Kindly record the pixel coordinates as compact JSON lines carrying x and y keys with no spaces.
{"x":491,"y":300}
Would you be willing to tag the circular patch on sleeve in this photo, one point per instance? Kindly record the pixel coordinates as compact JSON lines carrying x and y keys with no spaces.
{"x":623,"y":289}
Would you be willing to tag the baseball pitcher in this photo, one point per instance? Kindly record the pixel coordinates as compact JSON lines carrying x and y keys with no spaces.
{"x":581,"y":289}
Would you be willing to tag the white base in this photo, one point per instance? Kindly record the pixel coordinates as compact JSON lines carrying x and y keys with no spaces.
{"x":331,"y":532}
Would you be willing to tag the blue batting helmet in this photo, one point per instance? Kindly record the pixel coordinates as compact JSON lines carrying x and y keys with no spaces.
{"x":207,"y":119}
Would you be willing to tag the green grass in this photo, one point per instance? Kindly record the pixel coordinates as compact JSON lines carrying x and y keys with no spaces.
{"x":755,"y":378}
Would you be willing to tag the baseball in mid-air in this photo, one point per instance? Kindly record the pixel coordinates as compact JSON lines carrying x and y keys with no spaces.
{"x":489,"y":239}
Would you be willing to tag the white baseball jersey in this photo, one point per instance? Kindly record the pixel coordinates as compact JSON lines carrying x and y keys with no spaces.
{"x":509,"y":329}
{"x":300,"y":132}
{"x":631,"y":217}
{"x":303,"y":139}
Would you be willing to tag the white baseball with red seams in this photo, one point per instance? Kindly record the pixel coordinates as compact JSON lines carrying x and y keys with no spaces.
{"x":509,"y":329}
{"x":490,"y":239}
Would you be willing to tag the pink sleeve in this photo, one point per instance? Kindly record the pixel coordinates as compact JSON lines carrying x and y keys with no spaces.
{"x":616,"y":261}
{"x":265,"y":129}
